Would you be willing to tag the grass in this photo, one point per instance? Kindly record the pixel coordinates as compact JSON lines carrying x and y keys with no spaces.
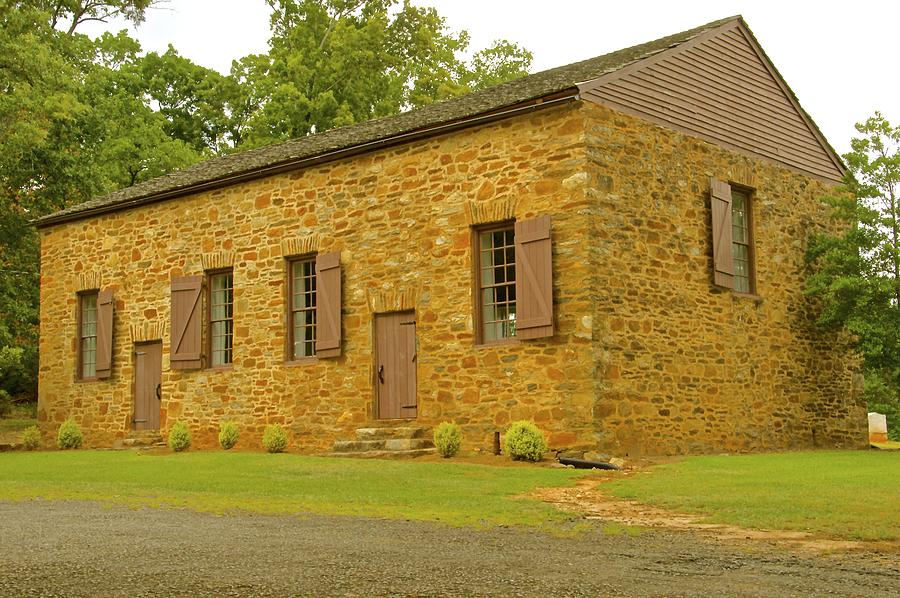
{"x":844,"y":494}
{"x":219,"y":482}
{"x":890,"y":445}
{"x":21,"y":416}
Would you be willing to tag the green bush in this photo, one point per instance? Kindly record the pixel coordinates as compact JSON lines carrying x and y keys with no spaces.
{"x":69,"y":436}
{"x":31,"y":438}
{"x":447,"y":439}
{"x":524,"y":441}
{"x":228,"y":435}
{"x":275,"y":438}
{"x":179,"y":437}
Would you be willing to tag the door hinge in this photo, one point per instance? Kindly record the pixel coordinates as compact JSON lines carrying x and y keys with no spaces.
{"x":413,"y":323}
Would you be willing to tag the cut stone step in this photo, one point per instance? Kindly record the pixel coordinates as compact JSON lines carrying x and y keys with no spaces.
{"x":383,"y":433}
{"x":407,"y":444}
{"x":147,"y":440}
{"x":347,"y":446}
{"x":387,"y":444}
{"x":385,"y":454}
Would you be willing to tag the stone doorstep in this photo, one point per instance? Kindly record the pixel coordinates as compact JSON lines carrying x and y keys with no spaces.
{"x":387,"y":444}
{"x":386,"y":433}
{"x":382,"y":454}
{"x":143,"y":438}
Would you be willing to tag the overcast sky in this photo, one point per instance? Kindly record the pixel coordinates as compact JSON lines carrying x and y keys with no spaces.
{"x":841,"y":59}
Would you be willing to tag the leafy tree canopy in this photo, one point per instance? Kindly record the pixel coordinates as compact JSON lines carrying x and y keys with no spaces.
{"x":856,"y":275}
{"x":81,"y":117}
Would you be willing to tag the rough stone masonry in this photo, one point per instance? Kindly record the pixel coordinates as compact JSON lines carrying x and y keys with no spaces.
{"x":648,"y":356}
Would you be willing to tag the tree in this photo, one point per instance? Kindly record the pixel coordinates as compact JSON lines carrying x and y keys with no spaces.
{"x":81,"y":117}
{"x":74,"y":123}
{"x":337,"y":62}
{"x":77,"y":12}
{"x":856,"y":275}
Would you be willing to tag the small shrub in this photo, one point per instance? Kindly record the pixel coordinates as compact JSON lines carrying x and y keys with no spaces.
{"x":69,"y":436}
{"x":524,"y":441}
{"x":228,"y":435}
{"x":179,"y":437}
{"x":31,"y":438}
{"x":274,"y":438}
{"x":447,"y":439}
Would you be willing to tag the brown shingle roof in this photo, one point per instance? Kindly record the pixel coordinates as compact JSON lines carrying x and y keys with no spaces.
{"x":527,"y":88}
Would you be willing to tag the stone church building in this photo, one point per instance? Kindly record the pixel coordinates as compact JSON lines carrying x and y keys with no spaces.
{"x":613,"y":249}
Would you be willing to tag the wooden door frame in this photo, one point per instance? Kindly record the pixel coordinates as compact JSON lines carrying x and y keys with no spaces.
{"x":375,"y":356}
{"x":134,"y":350}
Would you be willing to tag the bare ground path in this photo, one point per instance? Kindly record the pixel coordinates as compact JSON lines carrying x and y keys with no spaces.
{"x":85,"y":549}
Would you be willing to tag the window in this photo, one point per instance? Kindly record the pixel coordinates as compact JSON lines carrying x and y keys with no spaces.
{"x":302,"y":306}
{"x":741,"y":241}
{"x":221,"y":318}
{"x":87,"y":335}
{"x":496,"y":283}
{"x":732,"y":236}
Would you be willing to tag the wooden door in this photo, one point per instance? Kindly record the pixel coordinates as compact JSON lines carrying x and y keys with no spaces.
{"x":395,"y":365}
{"x":147,"y":385}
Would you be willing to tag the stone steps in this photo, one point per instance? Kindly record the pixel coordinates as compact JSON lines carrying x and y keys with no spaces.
{"x":385,"y":433}
{"x":385,"y":443}
{"x":385,"y":454}
{"x":144,"y":439}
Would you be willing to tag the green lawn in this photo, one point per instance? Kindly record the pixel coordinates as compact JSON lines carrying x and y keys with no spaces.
{"x":848,"y":494}
{"x":455,"y":494}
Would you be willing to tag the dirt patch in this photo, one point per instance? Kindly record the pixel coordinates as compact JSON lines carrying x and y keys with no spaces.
{"x":588,"y":500}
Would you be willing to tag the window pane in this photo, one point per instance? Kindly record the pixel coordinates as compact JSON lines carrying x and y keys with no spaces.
{"x":303,"y":308}
{"x":221,"y":315}
{"x":492,"y":331}
{"x":88,"y":335}
{"x":740,"y":231}
{"x":497,"y":279}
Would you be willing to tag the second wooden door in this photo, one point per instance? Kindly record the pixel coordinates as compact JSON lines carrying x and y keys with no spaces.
{"x":147,"y":385}
{"x":395,"y":365}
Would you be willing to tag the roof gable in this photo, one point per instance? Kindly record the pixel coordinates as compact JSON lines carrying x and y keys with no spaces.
{"x":721,"y":86}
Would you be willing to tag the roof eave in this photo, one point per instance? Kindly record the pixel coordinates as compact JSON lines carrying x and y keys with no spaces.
{"x":538,"y":103}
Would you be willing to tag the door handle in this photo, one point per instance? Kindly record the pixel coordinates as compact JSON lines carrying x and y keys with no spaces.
{"x":159,"y":392}
{"x":381,"y":374}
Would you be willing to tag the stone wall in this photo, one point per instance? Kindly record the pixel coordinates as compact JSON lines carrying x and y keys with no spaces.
{"x":685,"y":366}
{"x":401,"y":220}
{"x":648,"y":356}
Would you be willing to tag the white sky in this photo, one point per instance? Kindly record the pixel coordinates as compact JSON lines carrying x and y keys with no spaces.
{"x":839,"y":58}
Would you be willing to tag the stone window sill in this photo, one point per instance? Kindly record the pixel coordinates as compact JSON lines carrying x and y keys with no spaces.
{"x":748,"y":296}
{"x":498,"y":343}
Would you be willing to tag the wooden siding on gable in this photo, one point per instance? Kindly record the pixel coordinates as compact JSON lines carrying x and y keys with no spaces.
{"x":720,"y":87}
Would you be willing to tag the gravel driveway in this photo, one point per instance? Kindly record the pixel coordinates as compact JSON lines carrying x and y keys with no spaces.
{"x":86,"y":549}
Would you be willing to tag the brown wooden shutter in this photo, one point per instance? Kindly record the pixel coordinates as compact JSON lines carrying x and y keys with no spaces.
{"x":186,"y":318}
{"x":328,"y":304}
{"x":723,"y":259}
{"x":534,"y":279}
{"x":105,"y":307}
